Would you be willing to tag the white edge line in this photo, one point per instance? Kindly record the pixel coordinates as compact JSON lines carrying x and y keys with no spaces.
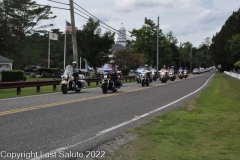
{"x":122,"y":124}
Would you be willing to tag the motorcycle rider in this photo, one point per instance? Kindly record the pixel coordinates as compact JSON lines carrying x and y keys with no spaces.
{"x":75,"y":73}
{"x":113,"y":74}
{"x":180,"y":69}
{"x":172,"y":69}
{"x":146,"y":67}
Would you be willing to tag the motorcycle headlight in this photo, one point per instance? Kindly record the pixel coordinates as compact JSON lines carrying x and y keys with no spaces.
{"x":62,"y":76}
{"x":143,"y":75}
{"x":65,"y":76}
{"x":152,"y":72}
{"x":185,"y":72}
{"x":105,"y":76}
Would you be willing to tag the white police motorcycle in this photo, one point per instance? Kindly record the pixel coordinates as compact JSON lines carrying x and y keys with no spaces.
{"x":76,"y":83}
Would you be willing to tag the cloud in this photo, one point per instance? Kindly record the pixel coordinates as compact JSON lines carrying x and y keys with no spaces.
{"x":209,"y":17}
{"x":128,"y":5}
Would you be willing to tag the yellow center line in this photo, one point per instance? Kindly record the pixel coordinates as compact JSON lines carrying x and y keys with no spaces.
{"x":76,"y":100}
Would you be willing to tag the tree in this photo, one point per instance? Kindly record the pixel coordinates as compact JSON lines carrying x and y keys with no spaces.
{"x":93,"y":45}
{"x":185,"y":54}
{"x":146,"y":43}
{"x":235,"y":45}
{"x":21,"y":17}
{"x":128,"y":59}
{"x":220,"y":47}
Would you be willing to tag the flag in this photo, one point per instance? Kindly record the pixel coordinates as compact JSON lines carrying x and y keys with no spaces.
{"x":53,"y":36}
{"x":69,"y":26}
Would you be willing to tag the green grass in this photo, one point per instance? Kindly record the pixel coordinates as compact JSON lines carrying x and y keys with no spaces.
{"x":207,"y":128}
{"x":11,"y":93}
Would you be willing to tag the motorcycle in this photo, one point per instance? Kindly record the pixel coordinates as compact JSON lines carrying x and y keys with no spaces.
{"x":138,"y":74}
{"x":76,"y":83}
{"x":154,"y":74}
{"x":172,"y":76}
{"x":180,"y":74}
{"x":163,"y":75}
{"x":110,"y":80}
{"x":145,"y":77}
{"x":185,"y":73}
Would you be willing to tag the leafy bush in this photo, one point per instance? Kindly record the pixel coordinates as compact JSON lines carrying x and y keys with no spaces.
{"x":13,"y":75}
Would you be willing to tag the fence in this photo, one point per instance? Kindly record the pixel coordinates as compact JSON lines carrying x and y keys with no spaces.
{"x":235,"y":75}
{"x":54,"y":83}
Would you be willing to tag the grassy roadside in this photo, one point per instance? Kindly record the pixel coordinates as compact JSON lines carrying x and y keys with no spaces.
{"x":206,"y":128}
{"x":28,"y":91}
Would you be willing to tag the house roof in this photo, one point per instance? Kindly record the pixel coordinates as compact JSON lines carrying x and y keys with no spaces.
{"x":117,"y":47}
{"x":5,"y":60}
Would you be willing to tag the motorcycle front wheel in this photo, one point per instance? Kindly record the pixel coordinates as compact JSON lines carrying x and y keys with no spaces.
{"x":78,"y":90}
{"x":64,"y":89}
{"x":104,"y":88}
{"x":143,"y":83}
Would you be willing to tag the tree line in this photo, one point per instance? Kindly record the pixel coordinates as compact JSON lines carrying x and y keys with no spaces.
{"x":25,"y":45}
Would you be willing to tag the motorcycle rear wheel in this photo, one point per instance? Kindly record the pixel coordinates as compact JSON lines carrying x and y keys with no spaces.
{"x":64,"y":89}
{"x":147,"y":83}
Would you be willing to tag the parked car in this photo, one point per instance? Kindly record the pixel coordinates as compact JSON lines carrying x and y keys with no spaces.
{"x":196,"y":71}
{"x":33,"y":69}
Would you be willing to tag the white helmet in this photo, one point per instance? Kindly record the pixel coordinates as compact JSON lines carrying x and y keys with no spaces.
{"x":74,"y":62}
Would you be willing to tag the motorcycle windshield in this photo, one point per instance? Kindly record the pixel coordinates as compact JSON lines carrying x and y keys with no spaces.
{"x":140,"y":70}
{"x":153,"y":70}
{"x":68,"y":70}
{"x":107,"y":68}
{"x":171,"y":71}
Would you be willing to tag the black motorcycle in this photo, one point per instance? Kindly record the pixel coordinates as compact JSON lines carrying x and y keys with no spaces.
{"x":110,"y":80}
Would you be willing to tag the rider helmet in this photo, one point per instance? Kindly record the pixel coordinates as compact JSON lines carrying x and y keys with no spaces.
{"x":112,"y":62}
{"x":164,"y":66}
{"x":74,"y":63}
{"x":146,"y":65}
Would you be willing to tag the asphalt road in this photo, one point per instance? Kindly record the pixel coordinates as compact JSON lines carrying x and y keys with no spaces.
{"x":61,"y":126}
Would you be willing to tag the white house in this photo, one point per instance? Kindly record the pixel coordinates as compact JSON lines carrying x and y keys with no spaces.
{"x":5,"y":64}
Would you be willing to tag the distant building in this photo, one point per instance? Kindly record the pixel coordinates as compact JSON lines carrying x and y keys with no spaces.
{"x":121,"y":42}
{"x":5,"y":64}
{"x":122,"y":36}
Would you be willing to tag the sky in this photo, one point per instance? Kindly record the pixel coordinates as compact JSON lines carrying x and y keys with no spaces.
{"x":189,"y":20}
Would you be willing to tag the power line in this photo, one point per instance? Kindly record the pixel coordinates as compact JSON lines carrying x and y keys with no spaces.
{"x":120,"y":12}
{"x":123,"y":10}
{"x":105,"y":26}
{"x":101,"y":21}
{"x":41,"y":5}
{"x":59,"y":2}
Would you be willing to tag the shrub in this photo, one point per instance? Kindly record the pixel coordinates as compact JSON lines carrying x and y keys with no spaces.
{"x":13,"y":75}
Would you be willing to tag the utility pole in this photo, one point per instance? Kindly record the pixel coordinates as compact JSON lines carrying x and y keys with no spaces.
{"x":157,"y":44}
{"x":190,"y":60}
{"x":180,"y":54}
{"x":74,"y":42}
